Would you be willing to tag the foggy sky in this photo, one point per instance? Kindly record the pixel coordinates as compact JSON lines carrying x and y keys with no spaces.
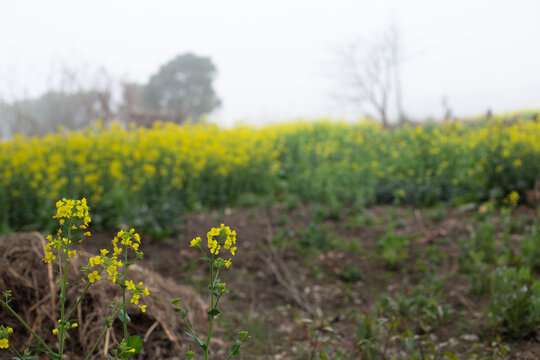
{"x":275,"y":57}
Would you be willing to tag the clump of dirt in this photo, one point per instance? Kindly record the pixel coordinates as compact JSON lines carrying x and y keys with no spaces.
{"x":35,"y":294}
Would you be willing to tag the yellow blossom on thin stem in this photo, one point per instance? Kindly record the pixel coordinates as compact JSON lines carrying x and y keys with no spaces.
{"x":93,"y":276}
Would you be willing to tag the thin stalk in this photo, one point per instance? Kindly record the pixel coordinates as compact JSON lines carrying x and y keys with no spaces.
{"x":124,"y":294}
{"x":191,"y":330}
{"x":231,"y":354}
{"x":78,"y":301}
{"x":210,"y":326}
{"x":16,"y":352}
{"x":63,"y":285}
{"x":36,"y":336}
{"x":107,"y":327}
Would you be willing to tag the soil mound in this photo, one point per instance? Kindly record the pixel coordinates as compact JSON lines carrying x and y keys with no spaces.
{"x":36,"y":300}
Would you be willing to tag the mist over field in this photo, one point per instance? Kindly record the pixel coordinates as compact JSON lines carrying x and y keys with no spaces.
{"x":282,"y":60}
{"x":286,"y":180}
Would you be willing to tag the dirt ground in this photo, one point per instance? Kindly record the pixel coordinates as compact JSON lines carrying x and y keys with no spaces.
{"x":304,"y":282}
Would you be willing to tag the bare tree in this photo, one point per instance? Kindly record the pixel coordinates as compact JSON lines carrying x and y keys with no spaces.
{"x":369,"y":72}
{"x":448,"y":114}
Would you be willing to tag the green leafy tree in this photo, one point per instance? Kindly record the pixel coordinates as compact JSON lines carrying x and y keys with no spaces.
{"x":183,"y":87}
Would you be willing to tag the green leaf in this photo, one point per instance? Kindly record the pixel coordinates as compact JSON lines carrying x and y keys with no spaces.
{"x":196,"y":340}
{"x":135,"y":342}
{"x":214,"y":312}
{"x":235,"y":349}
{"x":121,"y":316}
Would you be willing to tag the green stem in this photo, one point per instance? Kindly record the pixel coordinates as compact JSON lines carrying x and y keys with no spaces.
{"x":16,"y":352}
{"x":63,"y":285}
{"x":108,"y":324}
{"x":36,"y":336}
{"x":231,"y":354}
{"x":191,"y":331}
{"x":78,"y":301}
{"x":124,"y":294}
{"x":211,"y":325}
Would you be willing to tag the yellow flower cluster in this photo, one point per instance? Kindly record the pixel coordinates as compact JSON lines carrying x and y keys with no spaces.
{"x":5,"y":331}
{"x":98,"y":162}
{"x":203,"y":165}
{"x":77,"y":213}
{"x":216,"y":238}
{"x":66,"y":325}
{"x":68,"y":209}
{"x":129,"y":239}
{"x":110,"y":264}
{"x":106,"y":263}
{"x":512,"y":199}
{"x":136,"y":292}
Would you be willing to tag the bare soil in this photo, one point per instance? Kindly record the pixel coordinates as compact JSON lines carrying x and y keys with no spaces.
{"x":297,"y":301}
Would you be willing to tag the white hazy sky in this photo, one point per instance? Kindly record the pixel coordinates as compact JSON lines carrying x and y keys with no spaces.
{"x":274,"y":57}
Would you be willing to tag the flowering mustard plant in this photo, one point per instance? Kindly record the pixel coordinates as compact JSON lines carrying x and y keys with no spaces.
{"x":73,"y":219}
{"x":217,"y":239}
{"x":5,"y":331}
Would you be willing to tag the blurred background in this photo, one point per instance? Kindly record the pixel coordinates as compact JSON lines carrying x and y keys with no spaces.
{"x":379,"y":161}
{"x":68,"y":63}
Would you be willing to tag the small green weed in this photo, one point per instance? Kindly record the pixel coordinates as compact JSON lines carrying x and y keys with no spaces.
{"x":392,"y":249}
{"x":515,"y":303}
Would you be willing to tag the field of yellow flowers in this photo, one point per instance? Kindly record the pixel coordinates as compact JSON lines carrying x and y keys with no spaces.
{"x":148,"y":178}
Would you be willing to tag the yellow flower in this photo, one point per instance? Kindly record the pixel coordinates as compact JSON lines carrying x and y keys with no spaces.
{"x":74,"y":325}
{"x":215,"y":248}
{"x":196,"y":242}
{"x":135,"y":299}
{"x":9,"y":330}
{"x":117,"y":251}
{"x":88,"y":233}
{"x":512,"y":198}
{"x":96,"y":260}
{"x":93,"y":276}
{"x":129,"y":284}
{"x":233,"y":250}
{"x":111,"y":270}
{"x":228,"y":263}
{"x":55,"y":331}
{"x":49,"y":257}
{"x":142,"y":308}
{"x":4,"y":343}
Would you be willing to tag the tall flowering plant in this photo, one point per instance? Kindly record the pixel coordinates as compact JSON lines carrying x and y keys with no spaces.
{"x":218,"y":240}
{"x":73,"y":219}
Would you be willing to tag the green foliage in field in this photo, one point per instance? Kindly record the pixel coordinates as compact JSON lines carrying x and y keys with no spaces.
{"x":150,"y":177}
{"x":515,"y":302}
{"x":392,"y":248}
